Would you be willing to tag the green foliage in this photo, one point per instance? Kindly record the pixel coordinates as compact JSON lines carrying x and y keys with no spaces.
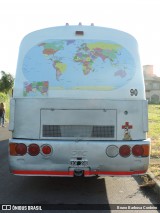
{"x":7,"y":108}
{"x":3,"y":97}
{"x":6,"y":83}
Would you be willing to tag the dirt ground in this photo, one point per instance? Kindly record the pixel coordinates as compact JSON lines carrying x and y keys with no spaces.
{"x":4,"y":133}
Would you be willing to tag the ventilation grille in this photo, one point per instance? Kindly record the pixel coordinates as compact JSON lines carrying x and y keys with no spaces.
{"x":78,"y":131}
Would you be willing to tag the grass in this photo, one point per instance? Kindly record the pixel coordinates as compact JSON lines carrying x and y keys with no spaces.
{"x":154,"y":129}
{"x":7,"y":109}
{"x":154,"y":168}
{"x":154,"y":134}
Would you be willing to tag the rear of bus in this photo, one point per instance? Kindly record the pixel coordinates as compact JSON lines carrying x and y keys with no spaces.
{"x":79,"y":106}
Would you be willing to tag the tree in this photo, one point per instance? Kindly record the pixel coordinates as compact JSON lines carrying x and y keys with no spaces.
{"x":6,"y":82}
{"x":3,"y":97}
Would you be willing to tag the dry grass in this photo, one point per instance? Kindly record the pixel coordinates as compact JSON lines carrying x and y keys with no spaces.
{"x":154,"y":129}
{"x":154,"y":134}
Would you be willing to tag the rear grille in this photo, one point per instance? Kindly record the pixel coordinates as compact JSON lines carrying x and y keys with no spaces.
{"x":51,"y":131}
{"x":103,"y":131}
{"x":78,"y":131}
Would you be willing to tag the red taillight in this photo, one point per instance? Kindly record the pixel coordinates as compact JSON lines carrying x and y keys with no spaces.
{"x":125,"y":151}
{"x":17,"y":149}
{"x":21,"y":149}
{"x":141,"y":150}
{"x":46,"y":149}
{"x":137,"y":150}
{"x":33,"y":149}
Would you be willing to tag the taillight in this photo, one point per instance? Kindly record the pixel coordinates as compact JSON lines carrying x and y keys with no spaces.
{"x":12,"y":149}
{"x":17,"y":149}
{"x":21,"y":149}
{"x":137,"y":150}
{"x":112,"y":151}
{"x":146,"y":149}
{"x":124,"y":151}
{"x":33,"y":149}
{"x":46,"y":150}
{"x":141,"y":150}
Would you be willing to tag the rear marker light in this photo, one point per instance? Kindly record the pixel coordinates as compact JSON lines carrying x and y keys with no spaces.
{"x":125,"y":151}
{"x":79,"y":33}
{"x":46,"y":150}
{"x":33,"y":149}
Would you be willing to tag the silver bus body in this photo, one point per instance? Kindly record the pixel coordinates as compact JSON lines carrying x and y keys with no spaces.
{"x":79,"y":105}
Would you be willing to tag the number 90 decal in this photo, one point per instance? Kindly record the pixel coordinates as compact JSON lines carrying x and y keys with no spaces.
{"x":133,"y":92}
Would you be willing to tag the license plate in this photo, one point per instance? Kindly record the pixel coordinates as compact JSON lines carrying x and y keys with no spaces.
{"x":79,"y":163}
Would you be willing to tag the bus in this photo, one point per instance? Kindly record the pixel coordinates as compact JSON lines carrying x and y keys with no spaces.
{"x":79,"y":105}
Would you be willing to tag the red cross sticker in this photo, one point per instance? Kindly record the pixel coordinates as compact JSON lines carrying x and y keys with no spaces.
{"x":127,"y":126}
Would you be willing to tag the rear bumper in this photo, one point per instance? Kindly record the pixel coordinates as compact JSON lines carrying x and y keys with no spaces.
{"x":72,"y":173}
{"x":61,"y":162}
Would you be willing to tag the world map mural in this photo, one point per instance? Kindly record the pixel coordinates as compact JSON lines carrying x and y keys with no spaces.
{"x":76,"y":65}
